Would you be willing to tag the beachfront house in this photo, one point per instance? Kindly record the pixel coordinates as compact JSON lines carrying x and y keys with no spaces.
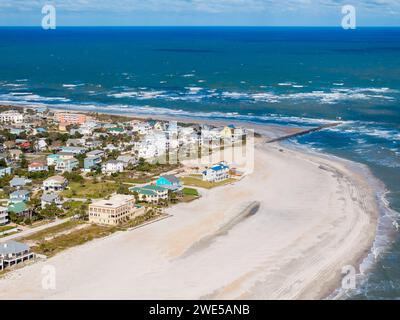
{"x":13,"y":252}
{"x":116,"y":210}
{"x":67,"y":165}
{"x":216,"y":173}
{"x":48,"y":199}
{"x":3,"y":215}
{"x":5,"y":171}
{"x":150,"y":193}
{"x":55,"y":183}
{"x":37,"y":167}
{"x":19,"y":196}
{"x":170,"y":182}
{"x":112,"y":166}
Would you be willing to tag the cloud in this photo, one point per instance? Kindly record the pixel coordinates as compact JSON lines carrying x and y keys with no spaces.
{"x":212,"y":6}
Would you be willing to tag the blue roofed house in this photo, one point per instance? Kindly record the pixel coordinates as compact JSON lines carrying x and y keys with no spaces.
{"x":216,"y":173}
{"x":12,"y":253}
{"x":67,"y":165}
{"x":170,"y":182}
{"x":18,"y":182}
{"x":48,"y":199}
{"x":19,"y":196}
{"x":92,"y":162}
{"x":52,"y":159}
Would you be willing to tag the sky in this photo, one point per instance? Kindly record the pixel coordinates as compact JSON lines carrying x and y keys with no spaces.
{"x":200,"y":12}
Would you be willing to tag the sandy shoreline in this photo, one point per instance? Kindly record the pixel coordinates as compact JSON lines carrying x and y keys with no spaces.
{"x":316,"y":215}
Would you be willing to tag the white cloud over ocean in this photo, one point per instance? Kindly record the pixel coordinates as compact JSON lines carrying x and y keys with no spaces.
{"x":236,"y":11}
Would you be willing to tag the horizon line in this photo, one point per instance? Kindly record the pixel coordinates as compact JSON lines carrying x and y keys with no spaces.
{"x":198,"y":26}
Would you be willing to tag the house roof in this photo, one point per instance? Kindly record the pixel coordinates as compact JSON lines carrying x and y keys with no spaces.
{"x":49,"y":197}
{"x":16,"y":181}
{"x":94,"y":153}
{"x":17,"y":207}
{"x":143,"y":191}
{"x":113,"y":162}
{"x":218,"y":167}
{"x":125,"y":158}
{"x":153,"y":188}
{"x":59,"y":179}
{"x":19,"y":193}
{"x":171,"y":178}
{"x":12,"y":247}
{"x":37,"y":164}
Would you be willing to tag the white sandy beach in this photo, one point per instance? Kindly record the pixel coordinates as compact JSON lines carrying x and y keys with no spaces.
{"x":316,"y":216}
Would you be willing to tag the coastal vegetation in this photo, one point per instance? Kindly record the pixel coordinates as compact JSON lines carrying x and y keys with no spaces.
{"x":196,"y":181}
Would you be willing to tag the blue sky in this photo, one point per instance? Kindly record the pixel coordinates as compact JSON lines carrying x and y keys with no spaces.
{"x":200,"y":12}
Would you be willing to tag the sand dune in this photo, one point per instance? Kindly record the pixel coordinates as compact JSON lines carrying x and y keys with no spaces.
{"x":315,"y":216}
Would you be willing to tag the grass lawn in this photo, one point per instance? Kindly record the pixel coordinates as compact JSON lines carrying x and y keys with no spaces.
{"x":190,"y":192}
{"x":89,"y":190}
{"x":196,"y":182}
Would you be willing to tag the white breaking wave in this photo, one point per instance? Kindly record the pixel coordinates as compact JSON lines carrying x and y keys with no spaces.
{"x":331,"y":96}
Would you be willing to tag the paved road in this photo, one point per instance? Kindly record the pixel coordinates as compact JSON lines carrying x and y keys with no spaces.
{"x":28,"y":232}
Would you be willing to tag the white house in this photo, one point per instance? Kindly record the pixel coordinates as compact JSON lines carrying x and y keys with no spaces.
{"x":127,"y":159}
{"x":145,"y":151}
{"x":217,"y":172}
{"x":112,"y":166}
{"x":49,"y":199}
{"x":55,"y":183}
{"x":37,"y":166}
{"x":41,"y":144}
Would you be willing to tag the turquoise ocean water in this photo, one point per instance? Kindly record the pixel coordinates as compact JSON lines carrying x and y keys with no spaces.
{"x":289,"y":76}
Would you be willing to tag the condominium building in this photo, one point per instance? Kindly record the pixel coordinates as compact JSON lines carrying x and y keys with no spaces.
{"x":11,"y":117}
{"x":116,"y":210}
{"x":71,"y":118}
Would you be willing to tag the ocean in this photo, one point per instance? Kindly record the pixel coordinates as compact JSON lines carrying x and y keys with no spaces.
{"x":288,"y":76}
